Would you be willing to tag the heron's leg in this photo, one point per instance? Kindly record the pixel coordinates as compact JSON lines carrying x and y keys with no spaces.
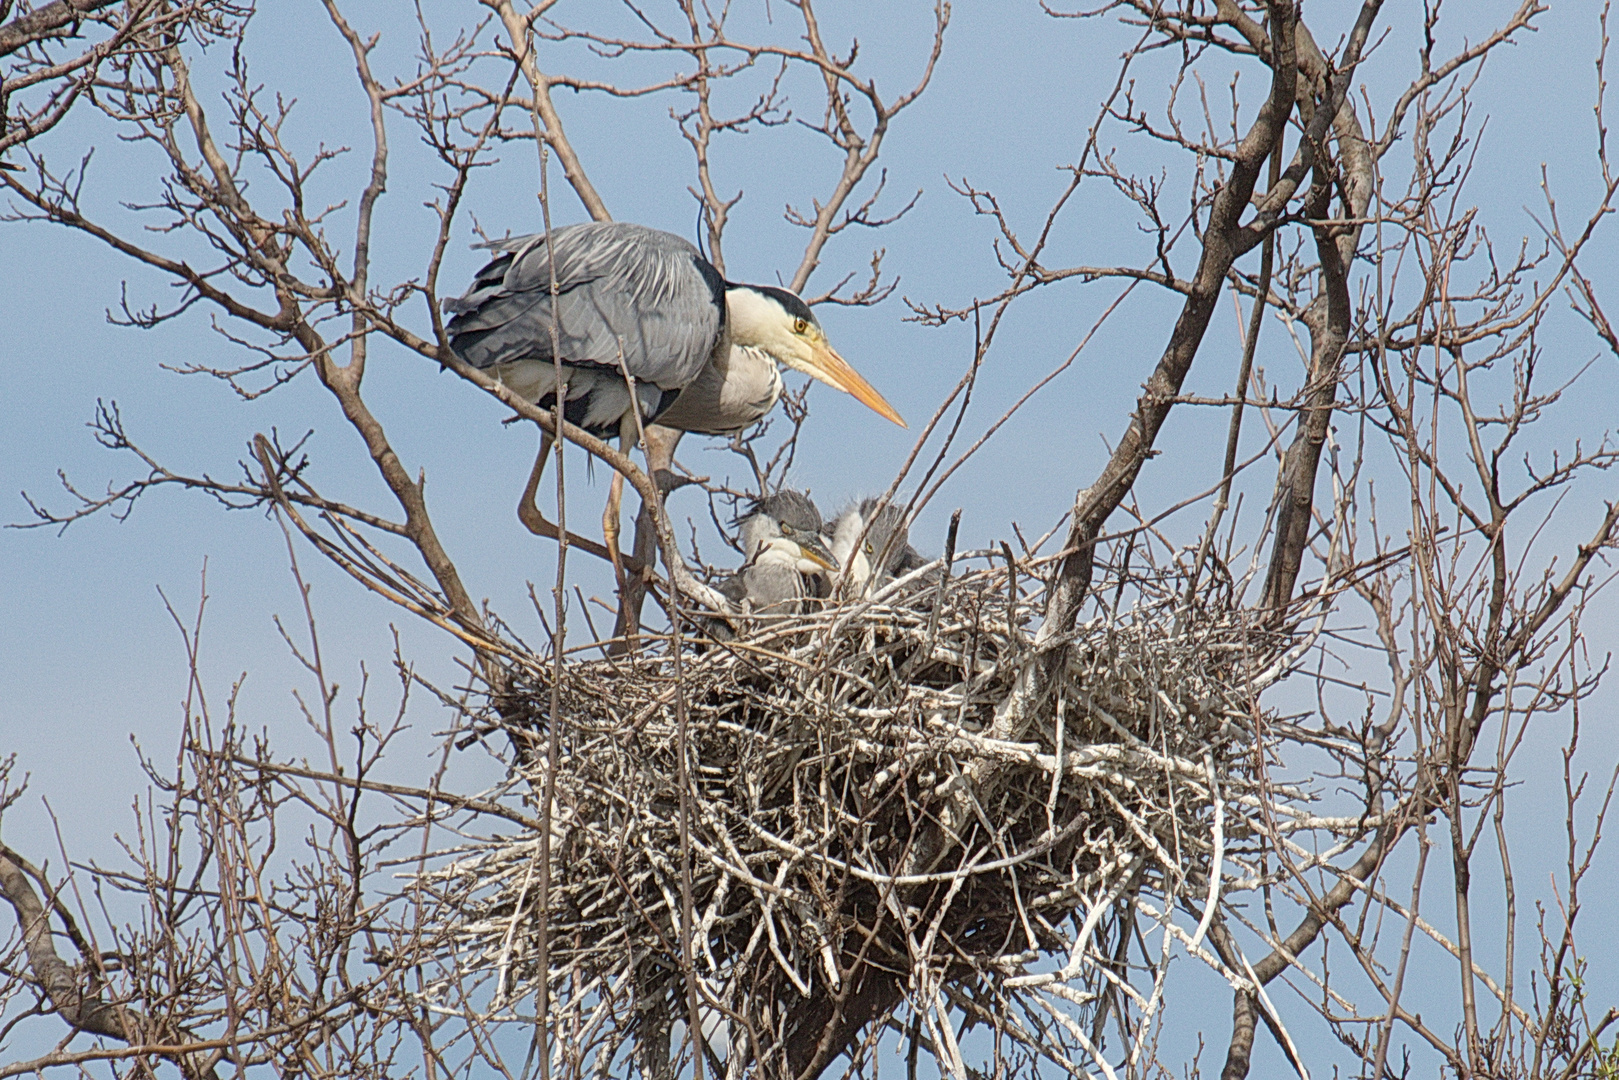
{"x":660,"y":448}
{"x":611,"y":517}
{"x":528,"y":512}
{"x":611,"y":527}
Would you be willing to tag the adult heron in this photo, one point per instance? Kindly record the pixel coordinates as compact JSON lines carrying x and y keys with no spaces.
{"x":637,"y":317}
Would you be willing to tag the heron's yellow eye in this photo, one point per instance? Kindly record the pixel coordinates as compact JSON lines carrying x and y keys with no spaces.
{"x":800,"y":325}
{"x":868,"y":547}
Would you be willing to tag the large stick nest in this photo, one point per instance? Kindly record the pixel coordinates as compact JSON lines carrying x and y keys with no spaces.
{"x":868,"y":820}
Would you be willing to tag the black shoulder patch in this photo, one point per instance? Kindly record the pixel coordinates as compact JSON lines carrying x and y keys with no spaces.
{"x":574,"y":412}
{"x":665,"y":401}
{"x":789,"y":300}
{"x":715,"y":282}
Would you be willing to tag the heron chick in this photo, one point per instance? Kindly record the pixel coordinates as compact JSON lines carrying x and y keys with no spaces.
{"x":787,"y":560}
{"x":873,"y":545}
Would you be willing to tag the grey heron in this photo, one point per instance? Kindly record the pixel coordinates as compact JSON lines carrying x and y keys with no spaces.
{"x":787,"y":559}
{"x":873,"y":545}
{"x":638,"y":318}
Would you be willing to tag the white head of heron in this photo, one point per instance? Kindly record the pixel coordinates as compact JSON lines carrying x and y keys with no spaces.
{"x":783,"y":326}
{"x":805,"y":550}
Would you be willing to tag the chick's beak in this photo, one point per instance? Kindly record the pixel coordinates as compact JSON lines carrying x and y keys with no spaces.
{"x":812,"y":549}
{"x":825,"y":364}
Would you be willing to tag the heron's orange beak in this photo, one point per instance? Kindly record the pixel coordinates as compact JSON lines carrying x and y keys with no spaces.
{"x":825,"y":364}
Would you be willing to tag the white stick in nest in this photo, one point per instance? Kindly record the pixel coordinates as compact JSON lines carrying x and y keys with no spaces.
{"x":1077,"y":959}
{"x":502,"y":964}
{"x":1218,"y":859}
{"x":1068,"y":1024}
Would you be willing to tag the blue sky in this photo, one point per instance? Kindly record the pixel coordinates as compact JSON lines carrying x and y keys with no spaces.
{"x":91,"y":660}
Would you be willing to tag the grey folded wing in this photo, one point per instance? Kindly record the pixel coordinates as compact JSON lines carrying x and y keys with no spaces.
{"x":620,"y":288}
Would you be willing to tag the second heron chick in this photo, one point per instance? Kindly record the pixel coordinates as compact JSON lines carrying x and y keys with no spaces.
{"x":873,"y":545}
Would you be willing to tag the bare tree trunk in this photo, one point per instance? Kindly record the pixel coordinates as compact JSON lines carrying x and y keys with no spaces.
{"x":1225,"y":240}
{"x":1328,"y":318}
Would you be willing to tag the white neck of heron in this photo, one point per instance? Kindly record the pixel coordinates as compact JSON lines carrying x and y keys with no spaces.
{"x":845,"y":533}
{"x":758,"y":530}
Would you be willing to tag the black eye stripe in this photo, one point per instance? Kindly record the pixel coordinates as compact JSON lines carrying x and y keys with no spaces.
{"x":789,"y":301}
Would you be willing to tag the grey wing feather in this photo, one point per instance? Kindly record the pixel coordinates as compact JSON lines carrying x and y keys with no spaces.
{"x":771,"y":586}
{"x":734,"y":588}
{"x":911,"y":559}
{"x":619,"y":286}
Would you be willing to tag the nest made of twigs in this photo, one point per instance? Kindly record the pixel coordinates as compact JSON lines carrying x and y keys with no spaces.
{"x":864,"y":822}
